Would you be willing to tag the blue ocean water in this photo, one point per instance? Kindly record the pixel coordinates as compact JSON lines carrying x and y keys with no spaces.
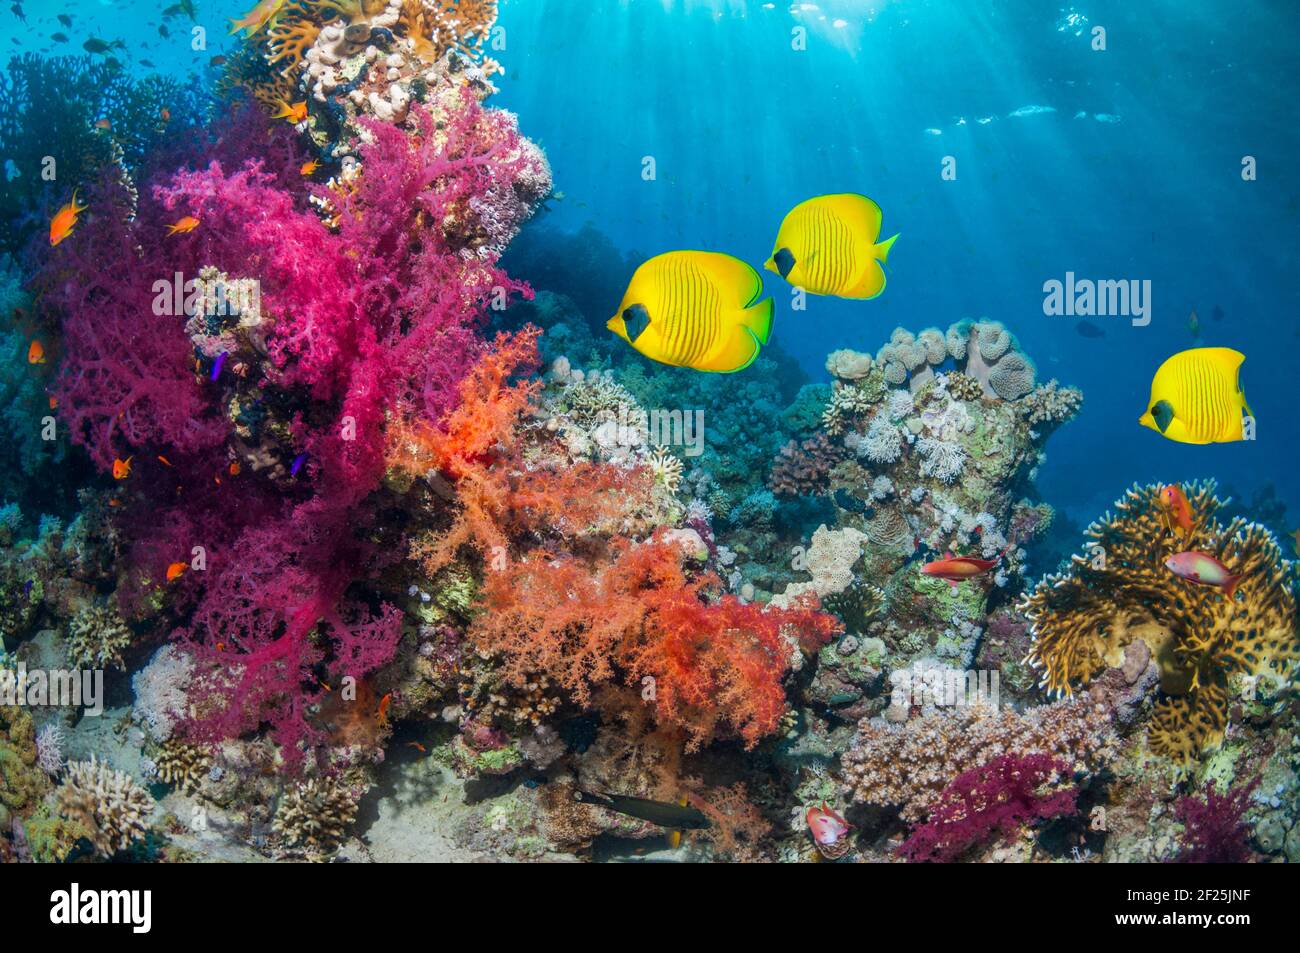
{"x":1122,"y":163}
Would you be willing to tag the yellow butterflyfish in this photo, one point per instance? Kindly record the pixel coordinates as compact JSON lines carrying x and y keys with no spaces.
{"x":1196,"y":397}
{"x":828,"y":245}
{"x":695,"y":309}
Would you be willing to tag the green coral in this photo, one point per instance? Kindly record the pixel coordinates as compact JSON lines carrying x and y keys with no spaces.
{"x":22,"y":782}
{"x":52,"y":839}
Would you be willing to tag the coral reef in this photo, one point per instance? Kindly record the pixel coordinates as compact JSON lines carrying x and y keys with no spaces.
{"x":992,"y":800}
{"x":1119,"y":591}
{"x":909,"y":765}
{"x":315,"y":815}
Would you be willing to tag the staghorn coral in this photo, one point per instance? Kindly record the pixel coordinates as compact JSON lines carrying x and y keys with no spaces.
{"x":108,"y":803}
{"x":909,"y":765}
{"x":1119,"y":591}
{"x":97,"y":637}
{"x":315,"y":815}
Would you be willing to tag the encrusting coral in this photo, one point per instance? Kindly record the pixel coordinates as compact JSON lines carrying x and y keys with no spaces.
{"x":1119,"y":590}
{"x":109,"y":804}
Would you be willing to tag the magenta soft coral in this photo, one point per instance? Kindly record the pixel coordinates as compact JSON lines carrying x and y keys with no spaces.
{"x":993,"y":800}
{"x":1215,"y":830}
{"x":375,"y":316}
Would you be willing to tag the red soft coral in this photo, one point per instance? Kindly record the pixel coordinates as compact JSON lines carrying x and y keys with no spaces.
{"x":993,"y":800}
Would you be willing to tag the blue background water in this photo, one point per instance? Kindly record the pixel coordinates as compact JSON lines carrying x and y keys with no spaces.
{"x":742,"y":126}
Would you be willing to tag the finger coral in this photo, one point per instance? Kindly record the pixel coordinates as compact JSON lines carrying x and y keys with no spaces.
{"x":315,"y":815}
{"x":1119,"y":591}
{"x":108,"y":803}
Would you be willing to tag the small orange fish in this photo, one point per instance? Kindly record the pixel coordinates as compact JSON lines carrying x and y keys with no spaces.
{"x":165,"y":114}
{"x":104,"y":125}
{"x":292,"y":113}
{"x":185,"y":225}
{"x":36,"y":353}
{"x":1174,"y":500}
{"x":234,"y":468}
{"x":383,"y":708}
{"x":326,"y":686}
{"x":122,"y":468}
{"x":955,"y":569}
{"x":221,"y":646}
{"x":164,"y":461}
{"x":61,"y":224}
{"x":54,"y":403}
{"x":417,"y":746}
{"x":309,"y":168}
{"x":114,"y":502}
{"x":175,"y":569}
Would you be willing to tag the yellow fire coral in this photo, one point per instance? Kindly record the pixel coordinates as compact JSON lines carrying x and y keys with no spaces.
{"x":1120,"y":591}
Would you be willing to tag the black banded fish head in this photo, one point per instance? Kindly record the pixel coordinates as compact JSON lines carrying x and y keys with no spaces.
{"x":631,"y":324}
{"x":782,"y":262}
{"x":1159,"y":417}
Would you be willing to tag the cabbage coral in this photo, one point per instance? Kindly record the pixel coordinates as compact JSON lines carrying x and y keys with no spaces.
{"x":1119,"y":591}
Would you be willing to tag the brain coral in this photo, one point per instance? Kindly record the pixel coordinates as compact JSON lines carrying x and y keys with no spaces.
{"x":1119,"y":591}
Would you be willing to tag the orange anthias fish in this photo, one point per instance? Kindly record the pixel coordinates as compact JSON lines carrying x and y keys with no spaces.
{"x":309,"y":168}
{"x":1204,"y":570}
{"x":174,"y":570}
{"x":383,"y":708}
{"x":955,"y":569}
{"x":185,"y":225}
{"x":828,"y":830}
{"x":164,"y":461}
{"x":104,"y":125}
{"x":1174,"y":500}
{"x":292,"y":113}
{"x":122,"y":469}
{"x":61,"y":224}
{"x":165,"y":114}
{"x":36,"y":353}
{"x":258,"y":17}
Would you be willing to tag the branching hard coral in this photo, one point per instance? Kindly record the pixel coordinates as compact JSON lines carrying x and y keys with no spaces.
{"x":183,"y":765}
{"x":1119,"y":591}
{"x":108,"y":803}
{"x":993,"y":800}
{"x":909,"y":765}
{"x":315,"y":814}
{"x":1051,"y":404}
{"x":803,"y":468}
{"x":97,"y":637}
{"x":941,"y":459}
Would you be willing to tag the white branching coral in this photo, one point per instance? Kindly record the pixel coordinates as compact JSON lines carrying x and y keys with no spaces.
{"x":666,"y":468}
{"x":941,"y":459}
{"x":900,"y":404}
{"x":883,"y":442}
{"x":50,"y":742}
{"x":108,"y":803}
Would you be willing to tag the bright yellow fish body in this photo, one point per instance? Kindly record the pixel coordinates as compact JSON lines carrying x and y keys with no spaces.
{"x":828,"y":245}
{"x":695,"y":309}
{"x":1196,"y":397}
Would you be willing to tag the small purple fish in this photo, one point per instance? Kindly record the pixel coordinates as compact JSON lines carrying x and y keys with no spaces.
{"x":298,"y":461}
{"x":217,"y":365}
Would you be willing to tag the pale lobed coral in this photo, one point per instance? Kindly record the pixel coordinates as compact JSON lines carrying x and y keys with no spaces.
{"x":97,"y":637}
{"x":50,"y":743}
{"x":108,"y":803}
{"x":830,"y":558}
{"x":316,"y":814}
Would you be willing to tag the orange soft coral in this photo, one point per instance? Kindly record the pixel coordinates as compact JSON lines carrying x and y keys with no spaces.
{"x":710,"y":669}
